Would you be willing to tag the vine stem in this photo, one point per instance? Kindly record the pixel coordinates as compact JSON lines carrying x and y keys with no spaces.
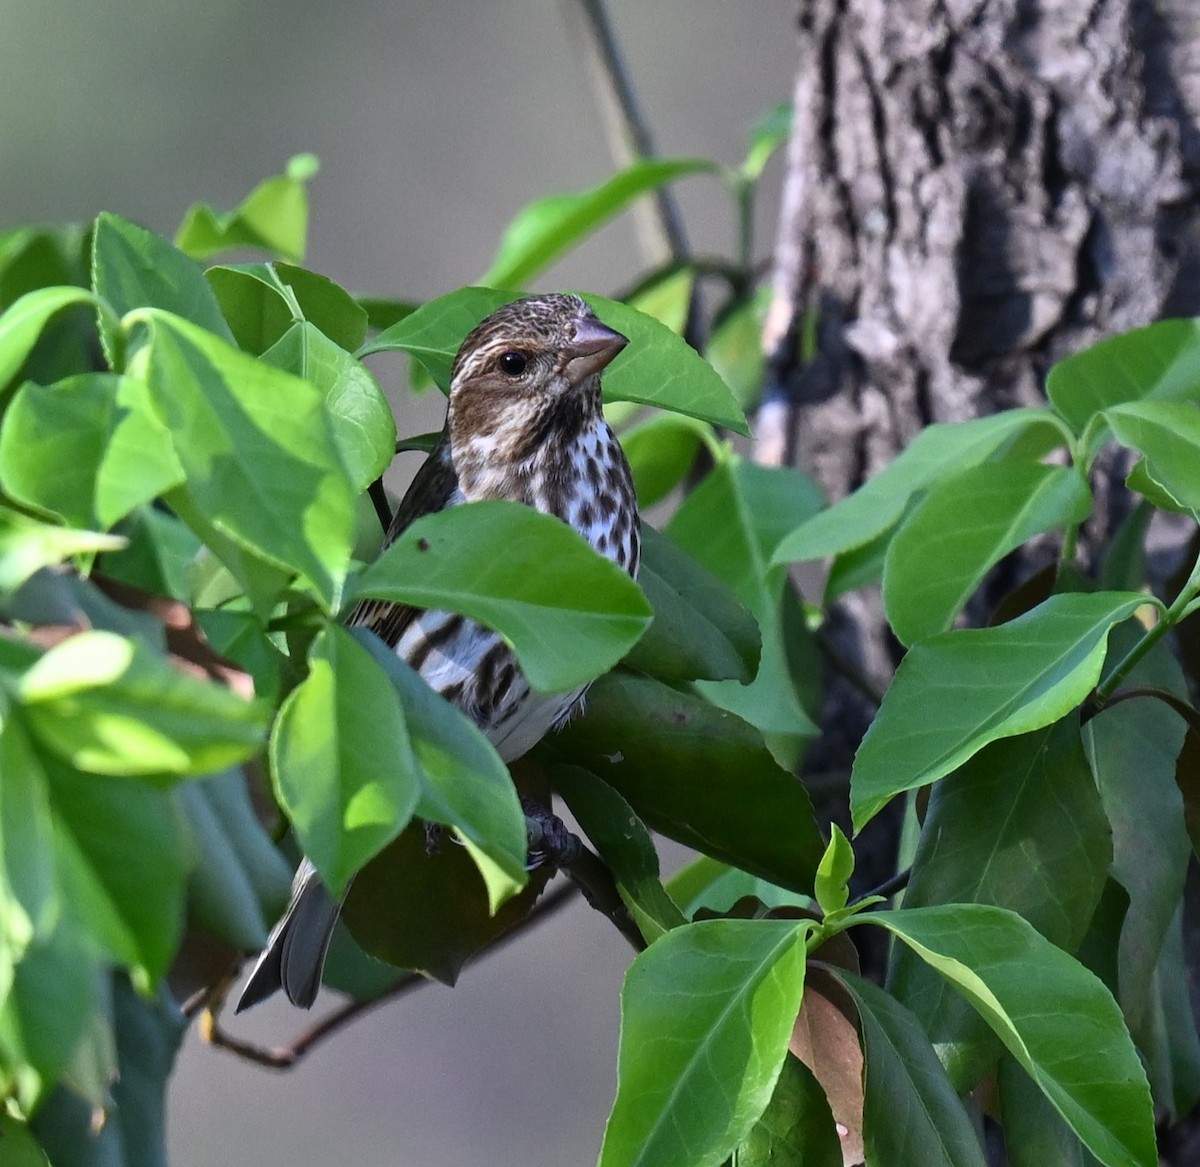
{"x":1152,"y":636}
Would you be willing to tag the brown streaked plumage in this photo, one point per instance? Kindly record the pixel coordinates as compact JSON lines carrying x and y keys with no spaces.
{"x":524,"y":424}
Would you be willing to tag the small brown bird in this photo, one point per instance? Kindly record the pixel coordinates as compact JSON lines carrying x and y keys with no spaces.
{"x":524,"y":424}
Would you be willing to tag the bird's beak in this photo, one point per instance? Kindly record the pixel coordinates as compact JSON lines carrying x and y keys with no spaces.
{"x":594,"y":345}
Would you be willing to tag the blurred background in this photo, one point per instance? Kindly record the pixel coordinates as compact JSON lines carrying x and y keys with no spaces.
{"x":435,"y":123}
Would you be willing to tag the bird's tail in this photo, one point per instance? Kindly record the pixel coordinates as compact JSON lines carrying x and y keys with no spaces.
{"x":294,"y":957}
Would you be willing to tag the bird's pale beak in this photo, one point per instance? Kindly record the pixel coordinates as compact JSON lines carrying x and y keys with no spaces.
{"x":593,"y":346}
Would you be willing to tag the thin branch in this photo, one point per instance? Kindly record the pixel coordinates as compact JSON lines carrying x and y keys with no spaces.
{"x":848,"y":669}
{"x":285,"y":1057}
{"x":591,"y":875}
{"x":889,"y":887}
{"x":379,"y":500}
{"x":659,"y":221}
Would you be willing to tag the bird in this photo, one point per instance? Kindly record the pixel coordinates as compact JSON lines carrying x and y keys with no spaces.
{"x":524,"y":424}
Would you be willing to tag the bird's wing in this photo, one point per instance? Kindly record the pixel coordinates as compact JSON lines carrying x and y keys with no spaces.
{"x":432,"y":489}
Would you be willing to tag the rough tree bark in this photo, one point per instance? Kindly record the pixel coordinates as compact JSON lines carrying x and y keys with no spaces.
{"x":975,"y":188}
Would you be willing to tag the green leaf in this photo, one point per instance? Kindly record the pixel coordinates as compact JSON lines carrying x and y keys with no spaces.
{"x":962,"y":528}
{"x":833,"y":872}
{"x":383,"y":312}
{"x":770,"y":132}
{"x":1154,"y":363}
{"x":261,"y":301}
{"x":134,"y":268}
{"x":359,"y":414}
{"x":89,"y":449}
{"x":45,"y":1015}
{"x":432,"y":334}
{"x":18,"y":1148}
{"x":569,"y":621}
{"x":341,"y":759}
{"x":273,"y":216}
{"x":108,"y":705}
{"x":1034,"y":1133}
{"x":658,"y":368}
{"x":231,"y":416}
{"x":29,"y":894}
{"x":662,"y":369}
{"x":796,"y":1129}
{"x":1168,"y":433}
{"x":465,"y":785}
{"x":27,"y":545}
{"x":121,"y":864}
{"x":159,"y":557}
{"x":706,"y":1013}
{"x":1133,"y":747}
{"x":912,"y":1114}
{"x":625,"y":846}
{"x":666,"y":296}
{"x":1019,"y":826}
{"x":239,"y":637}
{"x":699,"y":628}
{"x":715,"y":887}
{"x":551,"y":226}
{"x":735,"y":347}
{"x":661,"y":451}
{"x":239,"y":882}
{"x":1054,"y":1017}
{"x":937,"y":452}
{"x":24,"y":321}
{"x":697,"y":774}
{"x":732,"y":523}
{"x":985,"y":684}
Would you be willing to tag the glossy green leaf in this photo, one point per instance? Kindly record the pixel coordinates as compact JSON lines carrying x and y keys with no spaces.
{"x":1034,"y":1132}
{"x":341,"y":759}
{"x":735,"y":348}
{"x":1155,"y":363}
{"x":706,"y":1013}
{"x":465,"y":785}
{"x":699,"y":628}
{"x":568,"y":621}
{"x":44,"y":1016}
{"x":1133,"y":747}
{"x":432,"y":334}
{"x":796,"y":1129}
{"x":937,"y":452}
{"x":708,"y":884}
{"x":833,"y":873}
{"x":27,"y":545}
{"x":657,"y":368}
{"x":159,"y":556}
{"x":1169,"y":1041}
{"x":912,"y":1114}
{"x":134,"y":268}
{"x":273,"y":216}
{"x":382,"y":312}
{"x":962,"y":528}
{"x":239,"y":882}
{"x":985,"y":684}
{"x":667,"y":297}
{"x":359,"y":413}
{"x":18,"y":1148}
{"x":1078,"y":1052}
{"x":23,"y":322}
{"x":661,"y":452}
{"x":768,"y":134}
{"x":89,"y":449}
{"x":1019,"y":826}
{"x":615,"y":830}
{"x":262,"y":301}
{"x":549,"y":227}
{"x":230,"y":416}
{"x":240,"y":638}
{"x":1168,"y":434}
{"x":29,"y":893}
{"x":732,"y":523}
{"x":696,"y":774}
{"x":109,"y":705}
{"x":122,"y":886}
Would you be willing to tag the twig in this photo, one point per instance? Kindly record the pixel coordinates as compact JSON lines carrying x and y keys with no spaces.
{"x":889,"y":887}
{"x":285,"y":1057}
{"x":380,"y":501}
{"x":659,"y":221}
{"x":851,"y":672}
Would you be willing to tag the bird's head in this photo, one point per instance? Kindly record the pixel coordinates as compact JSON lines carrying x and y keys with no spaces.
{"x":527,"y":370}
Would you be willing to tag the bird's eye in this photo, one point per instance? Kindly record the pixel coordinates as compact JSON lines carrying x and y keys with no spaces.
{"x":513,"y":363}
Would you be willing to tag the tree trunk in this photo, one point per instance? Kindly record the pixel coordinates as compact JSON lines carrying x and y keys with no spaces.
{"x":974,"y":190}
